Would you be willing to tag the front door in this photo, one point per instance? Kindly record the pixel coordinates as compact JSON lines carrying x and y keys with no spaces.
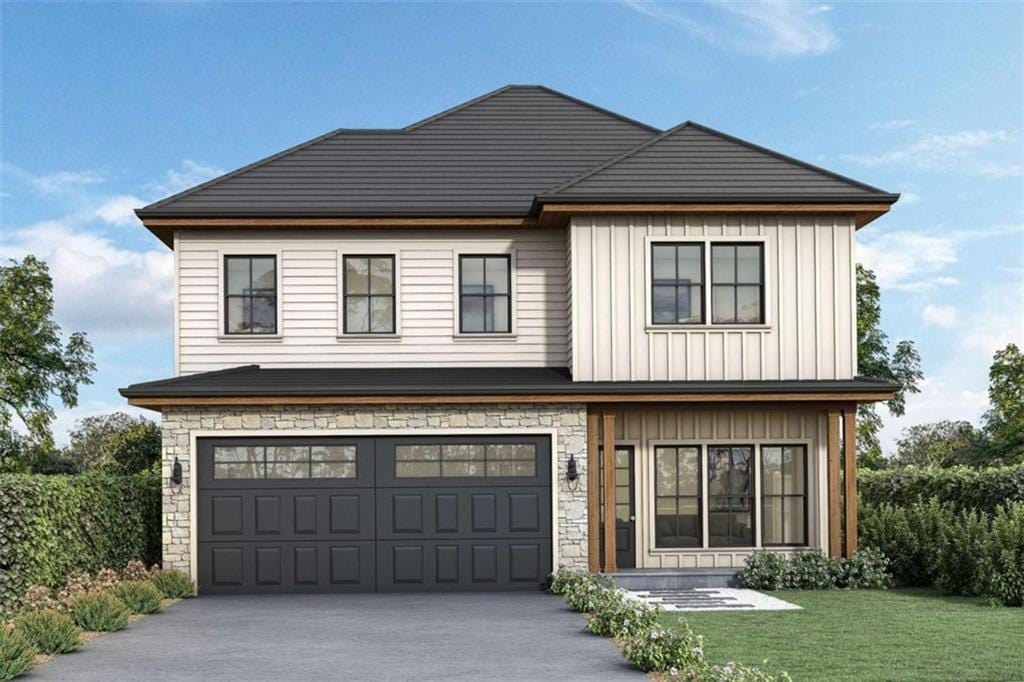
{"x":625,"y":509}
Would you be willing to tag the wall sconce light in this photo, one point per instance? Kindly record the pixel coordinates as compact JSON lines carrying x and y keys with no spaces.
{"x":176,"y":472}
{"x":571,"y":473}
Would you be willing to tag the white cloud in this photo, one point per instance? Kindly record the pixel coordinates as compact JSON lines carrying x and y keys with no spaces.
{"x":770,"y":29}
{"x":120,"y":210}
{"x":189,"y":174}
{"x":894,"y":124}
{"x":940,"y":315}
{"x":62,"y":181}
{"x":99,"y":287}
{"x":946,"y":152}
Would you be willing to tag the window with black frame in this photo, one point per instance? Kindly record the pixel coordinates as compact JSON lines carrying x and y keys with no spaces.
{"x":485,"y":294}
{"x":677,"y":503}
{"x":737,"y":283}
{"x":369,"y":293}
{"x":677,"y":283}
{"x":783,"y":495}
{"x":730,"y":496}
{"x":250,"y":295}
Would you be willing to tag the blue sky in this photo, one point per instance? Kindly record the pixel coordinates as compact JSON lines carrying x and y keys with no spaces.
{"x":109,"y":106}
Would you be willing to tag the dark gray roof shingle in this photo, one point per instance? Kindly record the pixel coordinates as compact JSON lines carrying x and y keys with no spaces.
{"x":692,"y":162}
{"x":251,"y":380}
{"x":498,"y":155}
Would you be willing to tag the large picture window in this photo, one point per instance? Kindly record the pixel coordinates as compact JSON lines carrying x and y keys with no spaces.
{"x":677,"y":503}
{"x":369,"y":292}
{"x":737,"y":283}
{"x":250,"y":295}
{"x":485,"y":294}
{"x":731,"y":496}
{"x":783,"y":495}
{"x":677,"y":283}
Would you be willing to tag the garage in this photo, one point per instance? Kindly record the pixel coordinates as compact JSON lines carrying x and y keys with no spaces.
{"x":365,"y":514}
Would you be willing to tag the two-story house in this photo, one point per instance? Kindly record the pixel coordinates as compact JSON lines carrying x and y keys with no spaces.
{"x":523,"y":333}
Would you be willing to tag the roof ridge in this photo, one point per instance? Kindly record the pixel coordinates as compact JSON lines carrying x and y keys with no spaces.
{"x":458,"y":107}
{"x":595,"y":107}
{"x":226,"y":176}
{"x":615,"y":159}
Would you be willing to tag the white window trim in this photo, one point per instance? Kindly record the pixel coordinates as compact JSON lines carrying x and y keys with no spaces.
{"x":485,"y":250}
{"x":707,"y":242}
{"x":703,"y":444}
{"x":369,"y":251}
{"x":250,"y":250}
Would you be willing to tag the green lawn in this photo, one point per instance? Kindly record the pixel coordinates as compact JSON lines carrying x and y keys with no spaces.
{"x":871,"y":635}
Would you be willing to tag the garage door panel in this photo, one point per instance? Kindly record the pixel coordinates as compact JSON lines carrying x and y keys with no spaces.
{"x":287,"y":567}
{"x":483,"y":565}
{"x":467,"y":513}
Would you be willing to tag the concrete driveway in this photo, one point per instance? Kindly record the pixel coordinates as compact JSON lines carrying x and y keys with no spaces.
{"x":359,"y":637}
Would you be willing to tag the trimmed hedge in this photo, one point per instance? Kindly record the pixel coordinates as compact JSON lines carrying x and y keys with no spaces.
{"x":963,"y":487}
{"x":51,"y":526}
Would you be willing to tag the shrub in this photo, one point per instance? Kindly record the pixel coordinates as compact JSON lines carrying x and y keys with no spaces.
{"x":764,"y":571}
{"x":136,"y":570}
{"x":38,"y":598}
{"x":1006,"y":556}
{"x":139,"y":596}
{"x":962,"y":567}
{"x":173,"y":584}
{"x":17,"y":656}
{"x":49,"y":631}
{"x":662,"y":650}
{"x":99,"y":612}
{"x":911,"y":537}
{"x":812,"y":571}
{"x":867,"y":569}
{"x":582,"y":592}
{"x":564,"y":578}
{"x":963,"y":487}
{"x":620,"y":616}
{"x":51,"y":526}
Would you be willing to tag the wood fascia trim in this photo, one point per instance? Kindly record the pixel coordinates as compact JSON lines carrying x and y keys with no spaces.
{"x":556,"y":215}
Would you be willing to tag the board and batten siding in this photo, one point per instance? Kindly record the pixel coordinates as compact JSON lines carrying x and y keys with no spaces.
{"x":644,"y":429}
{"x":309,"y":311}
{"x":809,"y":302}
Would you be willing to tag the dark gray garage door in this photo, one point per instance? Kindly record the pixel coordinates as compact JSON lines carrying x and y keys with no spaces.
{"x":374,"y":514}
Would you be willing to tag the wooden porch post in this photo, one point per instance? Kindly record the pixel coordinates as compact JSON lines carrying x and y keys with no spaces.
{"x":850,"y":466}
{"x":593,"y":493}
{"x":609,"y":492}
{"x":834,"y":540}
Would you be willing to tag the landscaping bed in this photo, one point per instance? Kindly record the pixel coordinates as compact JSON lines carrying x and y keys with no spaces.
{"x":906,"y":634}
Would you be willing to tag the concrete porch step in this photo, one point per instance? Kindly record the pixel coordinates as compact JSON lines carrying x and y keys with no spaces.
{"x":675,"y":578}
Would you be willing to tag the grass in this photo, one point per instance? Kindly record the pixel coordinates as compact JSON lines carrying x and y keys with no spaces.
{"x":871,"y":635}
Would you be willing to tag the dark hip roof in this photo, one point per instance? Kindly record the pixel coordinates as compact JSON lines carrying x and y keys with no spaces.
{"x":253,"y":381}
{"x":501,"y":154}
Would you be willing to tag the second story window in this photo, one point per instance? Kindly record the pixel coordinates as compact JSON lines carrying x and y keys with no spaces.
{"x":737,"y":283}
{"x":369,"y":290}
{"x":677,"y":283}
{"x":485,"y":294}
{"x":250,"y":295}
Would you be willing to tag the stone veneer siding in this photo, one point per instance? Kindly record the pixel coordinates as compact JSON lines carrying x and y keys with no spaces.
{"x":569,"y":421}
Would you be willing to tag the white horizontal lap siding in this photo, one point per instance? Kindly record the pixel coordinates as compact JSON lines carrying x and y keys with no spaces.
{"x":809,"y":302}
{"x":309,"y":299}
{"x":645,"y":429}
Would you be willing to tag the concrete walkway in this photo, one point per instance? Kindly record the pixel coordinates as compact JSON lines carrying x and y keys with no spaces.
{"x":522,"y":636}
{"x":712,"y":599}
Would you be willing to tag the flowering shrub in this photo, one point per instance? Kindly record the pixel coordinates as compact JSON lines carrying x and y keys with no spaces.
{"x":136,"y":570}
{"x":583,"y":595}
{"x":659,"y":649}
{"x":619,"y":616}
{"x":39,"y":598}
{"x":764,"y":571}
{"x":813,"y":571}
{"x":866,"y":569}
{"x":564,"y":578}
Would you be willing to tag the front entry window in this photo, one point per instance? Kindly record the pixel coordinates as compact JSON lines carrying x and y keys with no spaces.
{"x":731,"y":496}
{"x":677,"y":503}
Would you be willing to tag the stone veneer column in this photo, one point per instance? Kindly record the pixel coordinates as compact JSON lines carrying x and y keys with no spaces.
{"x":568,"y":420}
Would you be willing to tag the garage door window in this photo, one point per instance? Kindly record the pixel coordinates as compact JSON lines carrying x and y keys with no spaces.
{"x":284,"y":462}
{"x":465,"y":460}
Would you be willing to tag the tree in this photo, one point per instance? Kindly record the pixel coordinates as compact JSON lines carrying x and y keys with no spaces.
{"x":902,"y":366}
{"x":35,"y":363}
{"x":118,"y":443}
{"x":941,"y":444}
{"x":1004,"y":422}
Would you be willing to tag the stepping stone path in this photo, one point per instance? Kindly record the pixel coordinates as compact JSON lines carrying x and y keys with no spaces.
{"x":711,"y":599}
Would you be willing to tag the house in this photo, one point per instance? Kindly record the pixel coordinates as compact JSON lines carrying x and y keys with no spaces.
{"x":427,"y":358}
